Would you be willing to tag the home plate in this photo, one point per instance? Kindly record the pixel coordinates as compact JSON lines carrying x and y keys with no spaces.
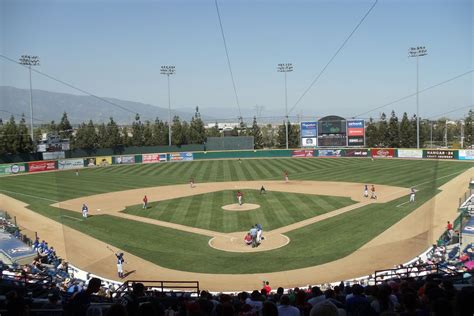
{"x":98,"y":209}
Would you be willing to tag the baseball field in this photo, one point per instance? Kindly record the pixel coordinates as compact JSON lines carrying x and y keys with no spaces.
{"x":318,"y":227}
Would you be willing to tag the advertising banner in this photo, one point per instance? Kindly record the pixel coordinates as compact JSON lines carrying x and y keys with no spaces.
{"x":153,"y":158}
{"x":103,"y":161}
{"x":89,"y":162}
{"x":355,"y":133}
{"x":410,"y":153}
{"x":330,"y":153}
{"x":309,"y":142}
{"x":305,"y":153}
{"x":124,"y":160}
{"x":439,"y":154}
{"x":309,"y":134}
{"x":54,"y":155}
{"x":382,"y":152}
{"x":38,"y":166}
{"x":64,"y":164}
{"x":356,"y":153}
{"x":12,"y":169}
{"x":466,"y":154}
{"x":181,"y":156}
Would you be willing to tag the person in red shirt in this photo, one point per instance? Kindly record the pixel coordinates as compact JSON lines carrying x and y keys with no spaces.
{"x":266,"y":287}
{"x":449,"y":226}
{"x":145,"y":203}
{"x":248,"y":239}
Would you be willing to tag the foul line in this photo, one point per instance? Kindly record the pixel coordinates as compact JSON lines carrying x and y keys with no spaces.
{"x":33,"y":196}
{"x":77,"y":219}
{"x":403,"y":203}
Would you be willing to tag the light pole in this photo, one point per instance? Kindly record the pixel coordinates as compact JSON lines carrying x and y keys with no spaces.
{"x":29,"y":61}
{"x":418,"y":51}
{"x":288,"y":67}
{"x":168,"y":70}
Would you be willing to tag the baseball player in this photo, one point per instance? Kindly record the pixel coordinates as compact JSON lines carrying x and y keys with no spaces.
{"x":262,"y":190}
{"x":191,"y":182}
{"x":120,"y":261}
{"x":259,"y":233}
{"x":145,"y":202}
{"x":85,"y":210}
{"x":239,"y":197}
{"x":366,"y":191}
{"x":373,"y":194}
{"x":77,"y":172}
{"x":412,"y":195}
{"x":286,"y":176}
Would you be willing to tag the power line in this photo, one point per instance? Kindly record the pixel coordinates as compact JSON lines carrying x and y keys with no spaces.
{"x":414,"y":94}
{"x":334,"y":55}
{"x":228,"y":59}
{"x":451,"y":111}
{"x":71,"y":86}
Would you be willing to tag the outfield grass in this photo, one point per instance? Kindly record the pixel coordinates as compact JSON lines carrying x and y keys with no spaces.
{"x":314,"y":244}
{"x":277,"y":209}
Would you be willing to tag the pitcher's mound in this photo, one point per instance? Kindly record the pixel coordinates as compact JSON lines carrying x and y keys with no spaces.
{"x":243,"y":207}
{"x":234,"y":242}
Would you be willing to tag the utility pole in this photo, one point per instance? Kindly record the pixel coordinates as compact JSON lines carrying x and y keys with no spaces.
{"x":168,"y":70}
{"x":27,"y":60}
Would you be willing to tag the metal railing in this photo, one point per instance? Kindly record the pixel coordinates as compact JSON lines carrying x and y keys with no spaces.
{"x":160,"y":286}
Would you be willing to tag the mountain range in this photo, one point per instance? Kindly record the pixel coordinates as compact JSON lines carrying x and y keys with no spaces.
{"x":48,"y":106}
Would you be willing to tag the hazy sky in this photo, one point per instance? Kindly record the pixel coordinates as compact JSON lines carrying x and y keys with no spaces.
{"x":115,"y":49}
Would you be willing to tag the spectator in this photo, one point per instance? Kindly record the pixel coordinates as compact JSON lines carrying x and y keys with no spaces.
{"x":325,"y":308}
{"x":285,"y":309}
{"x":266,"y":286}
{"x":357,"y":304}
{"x":81,"y":301}
{"x":255,"y":301}
{"x":117,"y":310}
{"x":317,"y":296}
{"x":131,"y":301}
{"x":269,"y":309}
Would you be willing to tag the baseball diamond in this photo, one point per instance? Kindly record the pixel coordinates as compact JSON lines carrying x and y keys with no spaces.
{"x":318,"y":221}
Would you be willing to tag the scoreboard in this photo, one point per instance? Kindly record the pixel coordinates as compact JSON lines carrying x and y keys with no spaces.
{"x":333,"y":131}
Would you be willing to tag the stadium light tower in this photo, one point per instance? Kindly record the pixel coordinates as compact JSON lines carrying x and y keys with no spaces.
{"x":288,"y":67}
{"x":418,"y":51}
{"x":27,"y":60}
{"x":168,"y":70}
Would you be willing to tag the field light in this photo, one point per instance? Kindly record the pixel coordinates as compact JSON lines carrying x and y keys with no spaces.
{"x":168,"y":70}
{"x":288,"y":67}
{"x":416,"y":52}
{"x":27,"y":60}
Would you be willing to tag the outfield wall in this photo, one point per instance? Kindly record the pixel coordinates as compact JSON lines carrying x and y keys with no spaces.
{"x":180,"y":156}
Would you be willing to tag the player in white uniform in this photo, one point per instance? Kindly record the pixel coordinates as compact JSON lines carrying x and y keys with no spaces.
{"x":120,"y":261}
{"x":85,"y":210}
{"x":412,"y":195}
{"x":366,"y":191}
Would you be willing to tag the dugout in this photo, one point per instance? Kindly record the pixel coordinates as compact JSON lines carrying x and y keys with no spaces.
{"x":12,"y":250}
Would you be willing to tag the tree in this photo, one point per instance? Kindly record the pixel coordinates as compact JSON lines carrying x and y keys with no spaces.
{"x":269,"y":136}
{"x":25,"y":144}
{"x":52,"y":128}
{"x":102,"y":137}
{"x":406,"y":132}
{"x":213,"y":131}
{"x":393,"y":133}
{"x":257,"y":134}
{"x":293,"y":135}
{"x":281,"y":136}
{"x":383,"y":131}
{"x":197,"y":132}
{"x":137,"y":132}
{"x":371,"y":134}
{"x":468,"y":129}
{"x":10,"y":132}
{"x":148,"y":134}
{"x":114,"y":139}
{"x":64,"y":127}
{"x":178,"y":136}
{"x":86,"y":136}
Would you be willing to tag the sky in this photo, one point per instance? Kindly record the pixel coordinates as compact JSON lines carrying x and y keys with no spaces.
{"x":115,"y":49}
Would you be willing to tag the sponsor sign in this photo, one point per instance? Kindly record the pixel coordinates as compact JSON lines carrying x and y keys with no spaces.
{"x":356,"y":153}
{"x":382,"y":152}
{"x":89,"y":162}
{"x":355,"y":132}
{"x":54,"y":155}
{"x":103,"y":161}
{"x":309,"y":129}
{"x":330,"y":153}
{"x":123,"y":160}
{"x":12,"y":168}
{"x":14,"y":248}
{"x":181,"y":156}
{"x":439,"y":154}
{"x":305,"y":153}
{"x":64,"y":164}
{"x":410,"y":153}
{"x":38,"y":166}
{"x":309,"y":142}
{"x":466,"y":154}
{"x":153,"y":158}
